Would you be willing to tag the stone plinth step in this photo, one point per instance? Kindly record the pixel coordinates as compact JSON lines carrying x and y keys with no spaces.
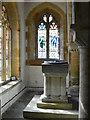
{"x":62,"y":106}
{"x":32,"y":111}
{"x":54,"y":100}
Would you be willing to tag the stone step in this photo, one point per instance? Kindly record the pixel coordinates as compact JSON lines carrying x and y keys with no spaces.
{"x":61,"y":106}
{"x":32,"y":111}
{"x":54,"y":100}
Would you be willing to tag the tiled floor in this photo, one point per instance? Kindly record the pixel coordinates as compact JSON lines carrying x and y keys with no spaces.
{"x":16,"y":110}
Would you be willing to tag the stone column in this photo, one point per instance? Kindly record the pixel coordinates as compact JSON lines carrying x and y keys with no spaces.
{"x":74,"y":67}
{"x":15,"y":53}
{"x":9,"y":62}
{"x":4,"y":53}
{"x":83,"y":91}
{"x":81,"y":28}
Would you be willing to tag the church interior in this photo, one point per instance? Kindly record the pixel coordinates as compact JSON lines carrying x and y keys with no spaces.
{"x":44,"y":59}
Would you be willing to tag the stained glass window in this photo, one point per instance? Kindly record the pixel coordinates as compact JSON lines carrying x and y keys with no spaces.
{"x":53,"y":42}
{"x":42,"y":41}
{"x":50,"y":44}
{"x":5,"y":48}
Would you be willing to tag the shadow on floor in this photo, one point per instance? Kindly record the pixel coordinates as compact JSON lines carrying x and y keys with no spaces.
{"x":15,"y":112}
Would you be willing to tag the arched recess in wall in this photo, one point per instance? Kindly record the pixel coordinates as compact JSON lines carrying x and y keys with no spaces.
{"x":31,"y":24}
{"x":14,"y":25}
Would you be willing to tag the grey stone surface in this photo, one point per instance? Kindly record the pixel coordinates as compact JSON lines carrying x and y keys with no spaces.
{"x":59,"y":68}
{"x":74,"y":90}
{"x":83,"y":92}
{"x":16,"y":110}
{"x":81,"y":27}
{"x":54,"y":105}
{"x":55,"y":79}
{"x":32,"y":111}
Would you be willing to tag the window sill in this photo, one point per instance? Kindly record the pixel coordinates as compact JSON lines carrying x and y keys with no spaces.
{"x":8,"y":86}
{"x":39,"y":62}
{"x":4,"y":82}
{"x":34,"y":62}
{"x":1,"y":82}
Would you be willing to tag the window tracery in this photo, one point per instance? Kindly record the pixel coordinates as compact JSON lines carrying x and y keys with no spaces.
{"x":48,"y":38}
{"x":5,"y":46}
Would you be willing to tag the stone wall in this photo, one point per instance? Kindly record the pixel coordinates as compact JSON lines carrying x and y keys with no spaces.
{"x":36,"y":79}
{"x":74,"y":68}
{"x":14,"y":25}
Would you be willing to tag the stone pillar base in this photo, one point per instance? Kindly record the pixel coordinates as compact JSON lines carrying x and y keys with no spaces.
{"x":54,"y":87}
{"x":54,"y":99}
{"x":56,"y":103}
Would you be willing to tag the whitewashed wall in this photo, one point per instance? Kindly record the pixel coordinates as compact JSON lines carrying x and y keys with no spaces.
{"x":34,"y":76}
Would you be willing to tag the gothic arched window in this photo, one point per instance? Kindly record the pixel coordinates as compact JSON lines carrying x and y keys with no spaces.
{"x":50,"y":46}
{"x":45,"y":35}
{"x":5,"y":46}
{"x":48,"y":38}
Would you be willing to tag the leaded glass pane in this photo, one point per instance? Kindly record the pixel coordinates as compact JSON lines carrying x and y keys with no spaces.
{"x":53,"y":42}
{"x":0,"y":56}
{"x":6,"y":54}
{"x":42,"y":41}
{"x":0,"y":24}
{"x":0,"y":31}
{"x":45,"y":18}
{"x":50,"y":18}
{"x":61,"y":46}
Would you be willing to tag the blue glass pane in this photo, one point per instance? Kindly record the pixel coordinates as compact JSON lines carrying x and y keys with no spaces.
{"x":53,"y":42}
{"x":42,"y":26}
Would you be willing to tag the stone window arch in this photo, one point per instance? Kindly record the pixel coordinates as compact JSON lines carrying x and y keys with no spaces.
{"x":9,"y":42}
{"x":5,"y":46}
{"x":47,"y":36}
{"x":33,"y":22}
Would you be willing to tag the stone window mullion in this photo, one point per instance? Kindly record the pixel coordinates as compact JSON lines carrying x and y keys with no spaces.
{"x":48,"y":37}
{"x":4,"y":53}
{"x":9,"y":52}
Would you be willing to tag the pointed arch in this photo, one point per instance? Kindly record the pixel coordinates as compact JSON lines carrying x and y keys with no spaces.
{"x":31,"y":22}
{"x":52,"y":7}
{"x":13,"y":17}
